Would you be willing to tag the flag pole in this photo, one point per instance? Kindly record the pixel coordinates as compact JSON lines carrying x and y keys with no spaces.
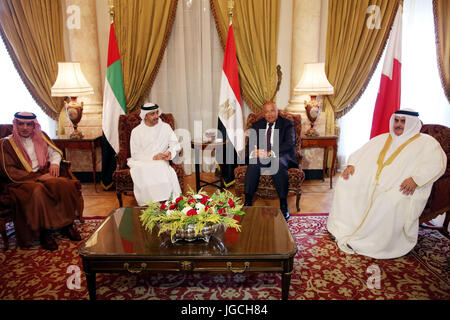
{"x":111,"y":10}
{"x":230,"y":9}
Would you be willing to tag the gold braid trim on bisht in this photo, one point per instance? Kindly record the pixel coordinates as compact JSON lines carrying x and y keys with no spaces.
{"x":19,"y":153}
{"x":381,"y":166}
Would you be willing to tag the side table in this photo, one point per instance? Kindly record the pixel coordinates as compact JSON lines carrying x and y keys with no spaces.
{"x":85,"y":143}
{"x":197,"y":146}
{"x":324,"y":142}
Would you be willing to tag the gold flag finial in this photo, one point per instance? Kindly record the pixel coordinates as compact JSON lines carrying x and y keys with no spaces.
{"x":230,"y":8}
{"x":111,"y":9}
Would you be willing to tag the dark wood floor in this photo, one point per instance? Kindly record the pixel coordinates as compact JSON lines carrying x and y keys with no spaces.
{"x":316,"y":197}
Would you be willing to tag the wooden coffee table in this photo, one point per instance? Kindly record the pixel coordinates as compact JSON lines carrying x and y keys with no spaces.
{"x":121,"y":244}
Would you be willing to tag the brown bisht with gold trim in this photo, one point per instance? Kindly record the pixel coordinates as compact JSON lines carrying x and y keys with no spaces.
{"x":37,"y":205}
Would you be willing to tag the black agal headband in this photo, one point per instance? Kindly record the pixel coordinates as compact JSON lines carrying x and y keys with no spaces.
{"x":20,"y":116}
{"x":408,"y":113}
{"x":150,"y":108}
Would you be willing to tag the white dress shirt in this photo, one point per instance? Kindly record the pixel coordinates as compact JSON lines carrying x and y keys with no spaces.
{"x":53,"y":156}
{"x":272,"y":154}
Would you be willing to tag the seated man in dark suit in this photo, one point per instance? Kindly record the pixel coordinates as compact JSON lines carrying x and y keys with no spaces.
{"x":270,"y":150}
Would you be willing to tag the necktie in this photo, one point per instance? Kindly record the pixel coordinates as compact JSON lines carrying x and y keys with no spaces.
{"x":269,"y":134}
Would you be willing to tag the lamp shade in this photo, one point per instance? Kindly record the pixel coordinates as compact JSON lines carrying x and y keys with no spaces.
{"x":314,"y":81}
{"x":70,"y":81}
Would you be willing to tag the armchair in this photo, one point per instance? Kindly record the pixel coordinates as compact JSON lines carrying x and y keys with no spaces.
{"x":266,"y":188}
{"x":122,"y":176}
{"x":6,"y":213}
{"x":439,"y":200}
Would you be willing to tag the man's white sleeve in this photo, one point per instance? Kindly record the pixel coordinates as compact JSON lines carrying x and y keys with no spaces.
{"x":431,"y":165}
{"x":135,"y":145}
{"x":53,"y":156}
{"x":174,"y":145}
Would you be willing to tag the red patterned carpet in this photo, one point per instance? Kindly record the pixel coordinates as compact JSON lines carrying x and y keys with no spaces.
{"x":321,"y":271}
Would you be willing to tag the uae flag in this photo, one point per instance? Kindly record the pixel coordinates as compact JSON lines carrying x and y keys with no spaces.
{"x":388,"y":99}
{"x":230,"y":122}
{"x":113,"y":106}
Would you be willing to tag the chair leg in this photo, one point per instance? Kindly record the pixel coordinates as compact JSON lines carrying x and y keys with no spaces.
{"x":4,"y":234}
{"x":297,"y":201}
{"x":446,"y":222}
{"x":119,"y":197}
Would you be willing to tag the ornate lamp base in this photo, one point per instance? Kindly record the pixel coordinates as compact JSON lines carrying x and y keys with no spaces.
{"x":313,"y":109}
{"x":76,"y":134}
{"x":74,"y":111}
{"x":311,"y":132}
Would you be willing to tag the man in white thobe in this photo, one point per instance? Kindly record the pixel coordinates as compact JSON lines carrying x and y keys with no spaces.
{"x":152,"y":144}
{"x":384,"y":189}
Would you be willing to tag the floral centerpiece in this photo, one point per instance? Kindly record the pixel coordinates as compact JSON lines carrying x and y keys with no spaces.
{"x":194,"y":215}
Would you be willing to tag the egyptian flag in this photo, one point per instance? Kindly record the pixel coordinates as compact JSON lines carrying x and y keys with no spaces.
{"x":388,"y":99}
{"x":230,"y":122}
{"x":113,"y":106}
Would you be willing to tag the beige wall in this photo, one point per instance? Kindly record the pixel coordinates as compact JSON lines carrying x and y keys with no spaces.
{"x":103,"y":24}
{"x":285,"y":52}
{"x":82,"y":44}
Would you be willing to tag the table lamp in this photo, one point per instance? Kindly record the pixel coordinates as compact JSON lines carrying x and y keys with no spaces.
{"x":313,"y":82}
{"x":71,"y":83}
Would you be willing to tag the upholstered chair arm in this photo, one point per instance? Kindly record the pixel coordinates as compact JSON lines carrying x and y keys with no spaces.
{"x":64,"y":168}
{"x":121,"y":160}
{"x":299,"y":157}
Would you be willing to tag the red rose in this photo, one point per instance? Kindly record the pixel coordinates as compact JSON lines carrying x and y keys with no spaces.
{"x":223,"y":211}
{"x":191,"y":201}
{"x":191,"y":213}
{"x":221,"y":203}
{"x":231,"y":203}
{"x":207,"y":208}
{"x":173,"y":206}
{"x":204,"y":199}
{"x":179,"y":199}
{"x":163,"y":206}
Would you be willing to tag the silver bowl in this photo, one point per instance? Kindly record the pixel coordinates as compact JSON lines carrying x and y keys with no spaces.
{"x":188,"y":234}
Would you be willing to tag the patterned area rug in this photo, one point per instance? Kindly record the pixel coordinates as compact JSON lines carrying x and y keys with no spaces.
{"x":321,"y":271}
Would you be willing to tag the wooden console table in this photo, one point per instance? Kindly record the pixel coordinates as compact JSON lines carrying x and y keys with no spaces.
{"x":85,"y":143}
{"x":324,"y":142}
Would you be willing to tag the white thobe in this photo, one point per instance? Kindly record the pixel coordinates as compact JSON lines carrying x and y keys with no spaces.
{"x":53,"y":156}
{"x":153,"y":180}
{"x":374,"y":218}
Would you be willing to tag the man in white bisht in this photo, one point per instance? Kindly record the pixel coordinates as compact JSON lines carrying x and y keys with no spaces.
{"x":152,"y":144}
{"x":382,"y":192}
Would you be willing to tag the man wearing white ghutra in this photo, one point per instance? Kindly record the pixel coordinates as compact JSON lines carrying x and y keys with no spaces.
{"x":153,"y":143}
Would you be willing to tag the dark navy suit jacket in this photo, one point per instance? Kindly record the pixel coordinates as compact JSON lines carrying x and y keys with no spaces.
{"x":285,"y":136}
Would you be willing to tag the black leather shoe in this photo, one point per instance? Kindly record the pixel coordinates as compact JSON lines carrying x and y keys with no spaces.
{"x":286,"y":214}
{"x":248,"y":200}
{"x":47,"y":242}
{"x":284,"y":209}
{"x":71,"y":233}
{"x":331,"y":236}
